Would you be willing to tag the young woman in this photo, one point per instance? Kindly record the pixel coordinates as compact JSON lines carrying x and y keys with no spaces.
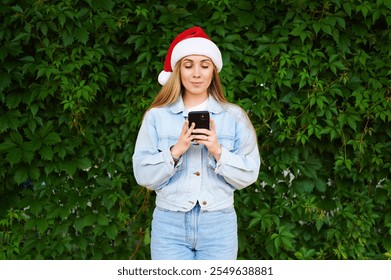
{"x":194,"y":171}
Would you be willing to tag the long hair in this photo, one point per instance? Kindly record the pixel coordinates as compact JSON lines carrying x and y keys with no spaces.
{"x":171,"y":91}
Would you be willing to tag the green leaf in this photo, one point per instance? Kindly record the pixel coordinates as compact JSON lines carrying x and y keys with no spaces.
{"x":317,"y":26}
{"x":85,"y":221}
{"x":254,"y":221}
{"x":14,"y":155}
{"x":102,"y":4}
{"x":17,"y":9}
{"x":147,"y":237}
{"x":34,"y":109}
{"x":13,"y":100}
{"x":81,"y":243}
{"x":303,"y":185}
{"x":52,"y":138}
{"x":320,"y":185}
{"x":102,"y":220}
{"x":34,"y":172}
{"x":89,"y":219}
{"x":319,"y":224}
{"x":10,"y":120}
{"x":61,"y":151}
{"x":67,"y":38}
{"x":287,"y":242}
{"x":83,"y":163}
{"x":21,"y":175}
{"x":42,"y":225}
{"x":28,"y":156}
{"x":327,"y":29}
{"x":46,"y":153}
{"x":36,"y":207}
{"x":387,"y":3}
{"x":7,"y":145}
{"x":277,"y":241}
{"x":343,"y":43}
{"x":109,"y":200}
{"x":62,"y":19}
{"x":33,"y":145}
{"x":17,"y":138}
{"x":246,"y":18}
{"x":5,"y":80}
{"x":244,"y":5}
{"x":82,"y":35}
{"x":112,"y":231}
{"x":79,"y":224}
{"x":69,"y":167}
{"x":339,"y":65}
{"x":44,"y":28}
{"x":348,"y":8}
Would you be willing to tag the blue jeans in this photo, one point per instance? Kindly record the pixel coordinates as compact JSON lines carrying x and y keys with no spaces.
{"x":194,"y":235}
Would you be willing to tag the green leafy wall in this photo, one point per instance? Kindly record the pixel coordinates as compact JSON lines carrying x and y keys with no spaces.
{"x":77,"y":76}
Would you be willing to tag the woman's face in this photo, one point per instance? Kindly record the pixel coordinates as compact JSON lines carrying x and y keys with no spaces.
{"x":196,"y":74}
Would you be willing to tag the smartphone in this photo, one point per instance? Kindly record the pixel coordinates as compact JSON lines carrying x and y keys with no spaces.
{"x":200,"y":118}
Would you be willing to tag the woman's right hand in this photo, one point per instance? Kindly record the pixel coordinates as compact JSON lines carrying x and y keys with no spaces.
{"x":184,"y":140}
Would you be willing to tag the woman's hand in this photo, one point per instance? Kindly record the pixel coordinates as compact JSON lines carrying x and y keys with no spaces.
{"x":209,"y":139}
{"x":184,"y":140}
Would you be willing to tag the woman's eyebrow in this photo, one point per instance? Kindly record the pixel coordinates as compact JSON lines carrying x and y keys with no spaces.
{"x":190,"y":60}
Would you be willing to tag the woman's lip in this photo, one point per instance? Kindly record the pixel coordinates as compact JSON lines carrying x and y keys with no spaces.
{"x":196,"y":83}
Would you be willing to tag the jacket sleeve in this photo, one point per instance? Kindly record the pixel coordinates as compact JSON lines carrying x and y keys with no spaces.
{"x":240,"y":167}
{"x":152,"y":167}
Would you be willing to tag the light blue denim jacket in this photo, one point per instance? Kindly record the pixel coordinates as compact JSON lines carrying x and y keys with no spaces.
{"x":197,"y":176}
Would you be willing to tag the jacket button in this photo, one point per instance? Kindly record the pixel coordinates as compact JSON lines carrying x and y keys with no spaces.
{"x":204,"y":202}
{"x":197,"y":173}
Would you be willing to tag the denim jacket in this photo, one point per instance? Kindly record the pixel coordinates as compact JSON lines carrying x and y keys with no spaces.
{"x":197,"y":176}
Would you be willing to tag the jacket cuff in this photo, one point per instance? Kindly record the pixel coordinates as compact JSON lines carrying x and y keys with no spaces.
{"x":168,"y":158}
{"x":224,"y":158}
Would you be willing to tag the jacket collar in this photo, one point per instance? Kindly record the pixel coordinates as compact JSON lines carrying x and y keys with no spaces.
{"x":214,"y":106}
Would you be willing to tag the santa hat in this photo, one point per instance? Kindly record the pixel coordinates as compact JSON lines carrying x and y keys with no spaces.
{"x":192,"y":41}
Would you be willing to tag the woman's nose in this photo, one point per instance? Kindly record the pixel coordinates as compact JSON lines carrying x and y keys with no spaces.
{"x":197,"y":72}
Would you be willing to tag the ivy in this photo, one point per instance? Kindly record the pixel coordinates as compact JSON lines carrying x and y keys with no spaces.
{"x":77,"y":76}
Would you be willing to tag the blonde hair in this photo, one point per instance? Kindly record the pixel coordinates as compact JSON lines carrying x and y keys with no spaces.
{"x":171,"y":91}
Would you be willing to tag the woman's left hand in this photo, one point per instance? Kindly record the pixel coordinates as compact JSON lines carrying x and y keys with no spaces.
{"x":209,"y":139}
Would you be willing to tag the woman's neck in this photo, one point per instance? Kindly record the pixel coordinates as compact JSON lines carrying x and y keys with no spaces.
{"x":193,"y":100}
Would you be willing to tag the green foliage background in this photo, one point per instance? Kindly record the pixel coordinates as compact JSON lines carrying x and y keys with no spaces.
{"x":77,"y":76}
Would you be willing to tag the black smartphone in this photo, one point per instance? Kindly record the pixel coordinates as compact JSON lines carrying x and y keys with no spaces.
{"x":200,"y":118}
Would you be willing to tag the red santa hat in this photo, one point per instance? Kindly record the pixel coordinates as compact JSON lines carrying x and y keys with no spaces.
{"x":192,"y":41}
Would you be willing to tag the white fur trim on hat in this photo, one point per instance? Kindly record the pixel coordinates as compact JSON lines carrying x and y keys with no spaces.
{"x":164,"y":77}
{"x":197,"y":46}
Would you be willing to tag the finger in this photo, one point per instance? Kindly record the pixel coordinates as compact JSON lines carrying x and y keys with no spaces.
{"x":185,"y":127}
{"x":200,"y":137}
{"x":190,"y":129}
{"x":202,"y":131}
{"x":192,"y":137}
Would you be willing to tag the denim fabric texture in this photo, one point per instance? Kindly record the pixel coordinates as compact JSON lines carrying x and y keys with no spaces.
{"x":194,"y":235}
{"x":194,"y":216}
{"x":197,"y":176}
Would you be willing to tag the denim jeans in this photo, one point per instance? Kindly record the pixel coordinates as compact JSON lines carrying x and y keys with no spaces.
{"x":194,"y":235}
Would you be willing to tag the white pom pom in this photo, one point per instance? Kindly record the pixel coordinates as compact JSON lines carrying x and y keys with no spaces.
{"x":163,"y":77}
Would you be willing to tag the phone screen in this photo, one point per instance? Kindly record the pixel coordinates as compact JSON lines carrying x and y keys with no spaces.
{"x":200,"y":118}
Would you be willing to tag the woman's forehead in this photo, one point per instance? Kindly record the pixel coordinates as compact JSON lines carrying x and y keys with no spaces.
{"x":195,"y":58}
